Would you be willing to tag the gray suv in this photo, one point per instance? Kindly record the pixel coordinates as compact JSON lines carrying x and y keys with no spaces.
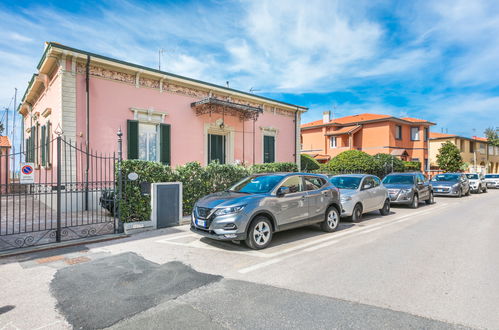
{"x":260,"y":205}
{"x":409,"y":188}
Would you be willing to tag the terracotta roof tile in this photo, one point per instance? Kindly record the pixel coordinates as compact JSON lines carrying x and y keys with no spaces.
{"x":313,"y":123}
{"x":435,"y":135}
{"x":4,"y":141}
{"x":480,"y":138}
{"x":359,"y":118}
{"x":414,"y":120}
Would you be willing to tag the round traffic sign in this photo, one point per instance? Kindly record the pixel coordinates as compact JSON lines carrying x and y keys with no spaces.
{"x":27,"y":169}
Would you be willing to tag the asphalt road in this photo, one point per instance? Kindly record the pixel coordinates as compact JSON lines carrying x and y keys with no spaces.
{"x":436,"y":267}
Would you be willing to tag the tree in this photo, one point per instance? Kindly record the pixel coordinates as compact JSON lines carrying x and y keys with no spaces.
{"x":308,"y":163}
{"x":352,"y":161}
{"x":388,"y":163}
{"x":449,"y":158}
{"x":492,"y":136}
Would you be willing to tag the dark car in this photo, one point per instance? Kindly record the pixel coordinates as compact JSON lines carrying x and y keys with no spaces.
{"x":260,"y":205}
{"x":409,"y":188}
{"x":451,"y":184}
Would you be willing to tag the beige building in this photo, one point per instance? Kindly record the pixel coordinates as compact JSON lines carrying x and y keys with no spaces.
{"x":480,"y":156}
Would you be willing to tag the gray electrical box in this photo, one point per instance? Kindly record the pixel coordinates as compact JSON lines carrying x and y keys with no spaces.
{"x":166,"y":199}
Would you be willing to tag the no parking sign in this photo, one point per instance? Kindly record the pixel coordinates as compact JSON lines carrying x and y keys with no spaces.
{"x":27,"y":173}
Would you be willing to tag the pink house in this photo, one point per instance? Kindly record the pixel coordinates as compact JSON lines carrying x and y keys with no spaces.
{"x":164,"y":117}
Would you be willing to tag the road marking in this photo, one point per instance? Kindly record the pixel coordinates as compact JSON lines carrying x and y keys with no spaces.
{"x":310,"y":247}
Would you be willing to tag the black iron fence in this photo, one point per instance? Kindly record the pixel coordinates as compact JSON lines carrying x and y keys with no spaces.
{"x":65,"y":199}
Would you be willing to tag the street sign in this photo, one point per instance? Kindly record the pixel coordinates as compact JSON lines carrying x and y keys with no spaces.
{"x":27,"y":173}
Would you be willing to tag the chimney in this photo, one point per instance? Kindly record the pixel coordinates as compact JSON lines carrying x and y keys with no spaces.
{"x":326,"y":117}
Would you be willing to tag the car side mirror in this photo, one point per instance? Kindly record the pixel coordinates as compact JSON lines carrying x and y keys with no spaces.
{"x":282,"y":191}
{"x":367,"y":186}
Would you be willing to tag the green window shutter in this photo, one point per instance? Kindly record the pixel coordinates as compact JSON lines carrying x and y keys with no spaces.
{"x":26,"y":151}
{"x":268,"y":149}
{"x":47,"y":145}
{"x":42,"y":145}
{"x":165,"y":144}
{"x":133,"y":139}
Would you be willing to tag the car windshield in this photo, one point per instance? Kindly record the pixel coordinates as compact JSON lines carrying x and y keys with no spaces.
{"x":398,"y":179}
{"x":472,"y":176}
{"x":345,"y":182}
{"x":446,"y":177}
{"x":257,"y":184}
{"x":492,"y":176}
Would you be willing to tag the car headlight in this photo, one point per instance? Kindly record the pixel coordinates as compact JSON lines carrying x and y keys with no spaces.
{"x":405,"y":191}
{"x":229,"y":210}
{"x":455,"y":185}
{"x":345,"y":198}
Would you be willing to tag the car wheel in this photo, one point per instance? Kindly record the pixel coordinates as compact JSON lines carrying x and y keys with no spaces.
{"x":431,"y":199}
{"x":460,"y":193}
{"x":415,"y":202}
{"x":357,"y":213}
{"x":386,"y":208}
{"x":485,"y":189}
{"x":479,"y":190}
{"x":259,"y":234}
{"x":468,"y":192}
{"x":332,"y":220}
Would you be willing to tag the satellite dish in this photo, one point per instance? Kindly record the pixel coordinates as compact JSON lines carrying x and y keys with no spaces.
{"x":133,"y":176}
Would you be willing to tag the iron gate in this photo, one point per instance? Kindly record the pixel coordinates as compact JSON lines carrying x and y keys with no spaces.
{"x":72,"y":196}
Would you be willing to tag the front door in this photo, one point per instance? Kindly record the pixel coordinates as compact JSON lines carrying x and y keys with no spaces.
{"x":291,"y":209}
{"x":216,"y":148}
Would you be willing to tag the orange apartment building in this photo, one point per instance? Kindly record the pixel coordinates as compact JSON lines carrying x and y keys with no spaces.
{"x":405,"y":138}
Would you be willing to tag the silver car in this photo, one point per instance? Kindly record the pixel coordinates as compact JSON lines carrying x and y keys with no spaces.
{"x":361,"y":193}
{"x":492,"y":180}
{"x":260,"y":205}
{"x":477,"y":183}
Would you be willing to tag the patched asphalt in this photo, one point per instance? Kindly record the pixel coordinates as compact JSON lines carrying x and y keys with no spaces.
{"x":99,"y":293}
{"x":126,"y":291}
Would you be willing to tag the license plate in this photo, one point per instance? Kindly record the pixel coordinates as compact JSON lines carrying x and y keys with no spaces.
{"x":201,"y":223}
{"x":440,"y":190}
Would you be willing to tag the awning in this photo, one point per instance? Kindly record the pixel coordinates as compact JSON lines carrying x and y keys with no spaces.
{"x":344,"y":130}
{"x":213,"y":105}
{"x":399,"y":152}
{"x":320,"y":158}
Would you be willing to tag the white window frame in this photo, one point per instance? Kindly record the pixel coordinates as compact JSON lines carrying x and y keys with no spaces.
{"x":332,"y":144}
{"x":158,"y":141}
{"x":415,"y":137}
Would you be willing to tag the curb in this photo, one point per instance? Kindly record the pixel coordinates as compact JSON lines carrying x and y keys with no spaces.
{"x":53,"y":246}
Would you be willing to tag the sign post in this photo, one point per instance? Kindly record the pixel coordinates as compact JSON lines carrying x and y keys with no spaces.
{"x":27,"y":173}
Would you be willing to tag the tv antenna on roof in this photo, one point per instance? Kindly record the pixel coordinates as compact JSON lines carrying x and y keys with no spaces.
{"x":160,"y":52}
{"x":251,"y":90}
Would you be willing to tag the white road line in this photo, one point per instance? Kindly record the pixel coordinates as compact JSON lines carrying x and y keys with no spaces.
{"x":260,"y":265}
{"x":171,"y":238}
{"x":335,"y":239}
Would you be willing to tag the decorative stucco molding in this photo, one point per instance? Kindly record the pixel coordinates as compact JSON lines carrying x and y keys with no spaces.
{"x":165,"y":85}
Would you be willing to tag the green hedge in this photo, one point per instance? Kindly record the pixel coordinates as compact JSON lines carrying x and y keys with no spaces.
{"x":412,"y":166}
{"x":308,"y":163}
{"x":273,"y":167}
{"x":197,"y":182}
{"x":355,"y":161}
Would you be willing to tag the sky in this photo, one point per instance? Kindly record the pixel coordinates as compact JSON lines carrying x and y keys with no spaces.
{"x":435,"y":60}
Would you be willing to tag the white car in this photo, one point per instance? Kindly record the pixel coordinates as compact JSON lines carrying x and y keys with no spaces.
{"x":361,"y":193}
{"x":492,"y":180}
{"x":477,"y":183}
